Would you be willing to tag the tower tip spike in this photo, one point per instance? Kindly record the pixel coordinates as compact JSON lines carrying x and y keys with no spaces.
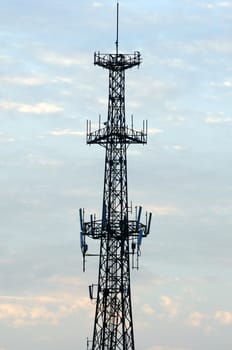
{"x":117,"y":28}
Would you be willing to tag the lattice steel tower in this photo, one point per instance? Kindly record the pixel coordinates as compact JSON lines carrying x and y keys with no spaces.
{"x":120,"y":237}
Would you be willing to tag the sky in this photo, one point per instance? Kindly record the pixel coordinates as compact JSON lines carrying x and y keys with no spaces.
{"x":49,"y":87}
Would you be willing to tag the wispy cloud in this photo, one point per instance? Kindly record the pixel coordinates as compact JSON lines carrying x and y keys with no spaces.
{"x":66,"y":280}
{"x":196,"y":318}
{"x":38,"y":108}
{"x":212,"y":5}
{"x":177,"y":148}
{"x":5,"y":139}
{"x":97,"y":4}
{"x":169,"y":305}
{"x":30,"y":311}
{"x":34,"y":80}
{"x":177,"y":63}
{"x":147,"y":309}
{"x":209,"y":46}
{"x":163,"y":210}
{"x":61,"y":60}
{"x":218,"y":120}
{"x":224,"y":317}
{"x":66,"y":132}
{"x":225,"y":84}
{"x":154,"y":131}
{"x":39,"y":161}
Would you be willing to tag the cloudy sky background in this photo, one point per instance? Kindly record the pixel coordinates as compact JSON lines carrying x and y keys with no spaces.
{"x":49,"y":87}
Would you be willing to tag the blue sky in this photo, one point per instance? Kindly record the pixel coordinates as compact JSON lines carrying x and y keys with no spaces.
{"x":49,"y":87}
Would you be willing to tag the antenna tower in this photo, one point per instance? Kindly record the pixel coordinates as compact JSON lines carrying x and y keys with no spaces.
{"x":120,"y":235}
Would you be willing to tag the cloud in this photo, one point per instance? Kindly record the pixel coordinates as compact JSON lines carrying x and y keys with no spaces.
{"x":36,"y":160}
{"x":196,"y":318}
{"x":31,"y":311}
{"x":102,"y":100}
{"x":226,"y":83}
{"x":66,"y":280}
{"x":177,"y":63}
{"x":61,"y":60}
{"x":224,"y":4}
{"x":153,"y":89}
{"x":169,"y":305}
{"x":164,"y":210}
{"x":40,"y":299}
{"x":218,"y":120}
{"x":154,"y":131}
{"x":34,"y":80}
{"x":65,"y":132}
{"x":209,"y":46}
{"x":224,"y":317}
{"x":97,"y":4}
{"x":39,"y":108}
{"x":5,"y":139}
{"x":147,"y":309}
{"x":177,"y":148}
{"x":28,"y":81}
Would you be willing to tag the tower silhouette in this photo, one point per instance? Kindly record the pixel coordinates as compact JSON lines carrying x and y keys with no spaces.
{"x":120,"y":236}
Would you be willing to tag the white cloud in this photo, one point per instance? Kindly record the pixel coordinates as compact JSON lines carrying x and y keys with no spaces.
{"x":209,"y":46}
{"x":34,"y":80}
{"x":224,"y":317}
{"x":28,"y":81}
{"x":196,"y":318}
{"x":224,"y":4}
{"x":64,"y":132}
{"x":178,"y":148}
{"x":30,"y":311}
{"x":102,"y":100}
{"x":61,"y":60}
{"x":67,"y":280}
{"x":147,"y":309}
{"x":97,"y":4}
{"x":169,"y":305}
{"x":35,"y":160}
{"x":5,"y":139}
{"x":39,"y":108}
{"x":177,"y":63}
{"x":218,"y":120}
{"x":163,"y":210}
{"x":154,"y":131}
{"x":226,"y":83}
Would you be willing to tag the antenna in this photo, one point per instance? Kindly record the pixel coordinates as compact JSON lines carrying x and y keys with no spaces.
{"x":117,"y":29}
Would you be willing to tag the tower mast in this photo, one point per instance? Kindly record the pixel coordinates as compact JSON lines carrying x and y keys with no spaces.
{"x":120,"y":237}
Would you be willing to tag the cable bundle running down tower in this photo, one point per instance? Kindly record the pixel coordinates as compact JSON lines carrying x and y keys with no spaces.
{"x":120,"y":237}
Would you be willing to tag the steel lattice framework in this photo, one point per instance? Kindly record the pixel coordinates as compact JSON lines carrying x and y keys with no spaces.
{"x":119,"y":236}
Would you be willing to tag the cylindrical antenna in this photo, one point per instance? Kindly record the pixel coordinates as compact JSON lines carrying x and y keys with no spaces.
{"x":117,"y":29}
